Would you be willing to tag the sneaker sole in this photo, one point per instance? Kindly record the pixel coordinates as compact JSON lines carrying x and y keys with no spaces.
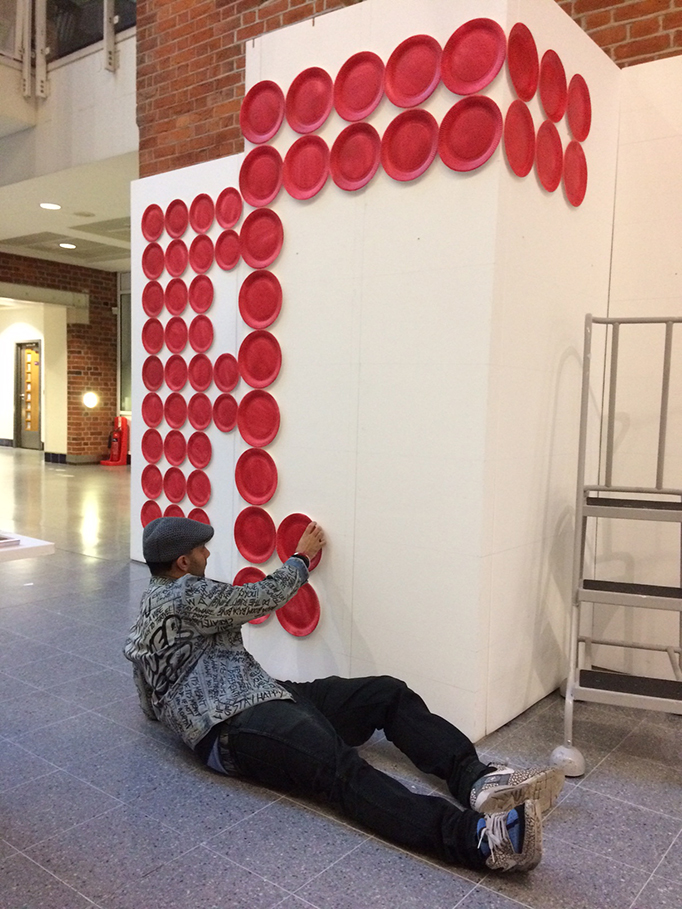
{"x":543,"y":788}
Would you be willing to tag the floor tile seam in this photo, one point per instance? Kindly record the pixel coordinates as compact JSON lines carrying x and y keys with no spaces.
{"x":57,"y":878}
{"x":673,"y":817}
{"x":81,"y":712}
{"x":333,"y":864}
{"x":662,"y":874}
{"x":287,"y":892}
{"x":481,"y":886}
{"x":604,"y":855}
{"x":10,"y":790}
{"x":26,"y":849}
{"x":242,"y":820}
{"x":640,"y":891}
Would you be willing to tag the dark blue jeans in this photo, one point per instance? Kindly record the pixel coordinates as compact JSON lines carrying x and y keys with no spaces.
{"x":307,"y":746}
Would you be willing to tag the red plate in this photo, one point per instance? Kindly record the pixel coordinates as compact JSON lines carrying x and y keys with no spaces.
{"x":153,"y":261}
{"x":309,"y":100}
{"x":200,"y":411}
{"x":152,"y":446}
{"x":553,"y":91}
{"x":522,"y":61}
{"x":152,"y":222}
{"x":177,"y":218}
{"x":152,"y":335}
{"x":176,"y":258}
{"x":260,"y":359}
{"x":200,"y":372}
{"x":152,"y":298}
{"x":258,"y":418}
{"x":225,"y":412}
{"x":175,"y":410}
{"x":470,"y":133}
{"x":173,"y":511}
{"x":256,"y":476}
{"x":201,"y":213}
{"x":413,"y":71}
{"x":174,"y":485}
{"x":199,"y":450}
{"x":152,"y":481}
{"x":176,"y":334}
{"x":409,"y":144}
{"x":198,"y":514}
{"x":473,"y":56}
{"x":198,"y":488}
{"x":579,"y":108}
{"x":359,"y":86}
{"x":251,"y":575}
{"x":149,"y":512}
{"x":227,"y":249}
{"x":226,"y":372}
{"x":301,"y":614}
{"x":519,"y":138}
{"x":152,"y":409}
{"x":575,"y":173}
{"x":175,"y":372}
{"x":306,"y":167}
{"x":152,"y":373}
{"x":260,"y":300}
{"x":201,"y":253}
{"x":548,"y":156}
{"x":201,"y":333}
{"x":228,"y":209}
{"x":260,"y":176}
{"x":201,"y":293}
{"x":289,"y":534}
{"x":175,"y":448}
{"x":355,"y":156}
{"x":176,"y":296}
{"x":254,"y":534}
{"x":261,"y":238}
{"x":261,"y":113}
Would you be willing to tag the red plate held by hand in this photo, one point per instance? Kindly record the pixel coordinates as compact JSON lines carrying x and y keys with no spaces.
{"x":198,"y":488}
{"x":289,"y":533}
{"x":200,"y":411}
{"x":256,"y":476}
{"x":355,"y":156}
{"x":152,"y":223}
{"x":225,"y":412}
{"x":301,"y":614}
{"x":175,"y":410}
{"x":359,"y":86}
{"x":201,"y":333}
{"x":261,"y":113}
{"x":175,"y":448}
{"x":548,"y":156}
{"x":200,"y":372}
{"x":152,"y":373}
{"x":261,"y":238}
{"x":228,"y":249}
{"x":228,"y":209}
{"x":260,"y":359}
{"x":175,"y":372}
{"x":176,"y":296}
{"x":519,"y":138}
{"x":413,"y":71}
{"x":409,"y":144}
{"x":260,"y":176}
{"x":152,"y":409}
{"x":306,"y":167}
{"x":226,"y":372}
{"x":199,"y":450}
{"x":258,"y":418}
{"x":201,"y":213}
{"x":152,"y":298}
{"x":201,"y":253}
{"x":309,"y":100}
{"x":522,"y":61}
{"x":473,"y":56}
{"x":177,"y":218}
{"x":174,"y":485}
{"x":470,"y":133}
{"x":260,"y":300}
{"x":553,"y":91}
{"x":254,"y":534}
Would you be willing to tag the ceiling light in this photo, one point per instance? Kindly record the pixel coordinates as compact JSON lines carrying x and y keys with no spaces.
{"x":50,"y":206}
{"x":68,"y":245}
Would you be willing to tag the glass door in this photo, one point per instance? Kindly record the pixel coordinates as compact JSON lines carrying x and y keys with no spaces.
{"x":27,"y":396}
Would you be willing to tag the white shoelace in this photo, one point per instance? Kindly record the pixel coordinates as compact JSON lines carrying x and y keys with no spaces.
{"x":495,"y":831}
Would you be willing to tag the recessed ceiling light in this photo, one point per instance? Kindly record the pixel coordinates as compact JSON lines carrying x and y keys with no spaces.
{"x":50,"y":206}
{"x":68,"y":245}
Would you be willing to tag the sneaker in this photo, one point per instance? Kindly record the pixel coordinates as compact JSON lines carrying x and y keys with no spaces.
{"x":504,"y":788}
{"x":512,"y":841}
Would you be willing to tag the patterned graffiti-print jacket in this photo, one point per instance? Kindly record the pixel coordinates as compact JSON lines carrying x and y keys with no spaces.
{"x":190,"y":666}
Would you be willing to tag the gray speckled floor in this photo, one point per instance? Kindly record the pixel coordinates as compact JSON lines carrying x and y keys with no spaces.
{"x":99,"y":807}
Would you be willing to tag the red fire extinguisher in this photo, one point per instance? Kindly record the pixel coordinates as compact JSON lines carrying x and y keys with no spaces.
{"x":118,"y":444}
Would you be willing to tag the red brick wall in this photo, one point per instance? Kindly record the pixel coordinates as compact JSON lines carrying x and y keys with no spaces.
{"x":91,"y":348}
{"x":630,"y":31}
{"x":190,"y":62}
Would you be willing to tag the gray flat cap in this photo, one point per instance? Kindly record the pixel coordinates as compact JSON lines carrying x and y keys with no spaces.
{"x":166,"y":539}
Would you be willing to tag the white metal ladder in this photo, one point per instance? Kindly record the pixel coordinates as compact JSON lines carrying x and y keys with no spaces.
{"x":639,"y":503}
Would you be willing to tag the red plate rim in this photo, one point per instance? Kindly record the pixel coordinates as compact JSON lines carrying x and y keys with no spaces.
{"x":199,"y":362}
{"x":221,"y":384}
{"x":575,"y":173}
{"x":391,"y":168}
{"x":176,"y":287}
{"x":546,"y":144}
{"x":152,"y":336}
{"x":175,"y":447}
{"x":153,"y":261}
{"x":151,"y":480}
{"x":194,"y":440}
{"x":335,"y":159}
{"x":152,"y":402}
{"x":246,"y":291}
{"x":296,"y":190}
{"x":579,"y":108}
{"x":243,"y":418}
{"x":343,"y":104}
{"x":175,"y":421}
{"x":523,"y":61}
{"x":174,"y":484}
{"x":196,"y":292}
{"x":197,"y":330}
{"x":149,"y":512}
{"x":176,"y":258}
{"x":152,"y":363}
{"x":150,"y":231}
{"x":261,"y":258}
{"x":464,"y":87}
{"x":227,"y":264}
{"x":286,"y":545}
{"x":151,"y":437}
{"x":250,"y":192}
{"x":223,"y":426}
{"x":553,"y":75}
{"x":151,"y":306}
{"x":450,"y":158}
{"x":229,"y":194}
{"x":519,"y":124}
{"x":244,"y":358}
{"x":394,"y":61}
{"x":201,"y":253}
{"x":311,"y":603}
{"x":293,"y":115}
{"x":175,"y":333}
{"x":175,"y":372}
{"x":200,"y":400}
{"x":198,"y":497}
{"x":240,"y":469}
{"x":249,"y":514}
{"x":272,"y":88}
{"x":177,"y":205}
{"x":199,"y":204}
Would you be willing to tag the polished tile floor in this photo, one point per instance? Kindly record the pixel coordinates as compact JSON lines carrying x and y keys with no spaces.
{"x":99,"y":807}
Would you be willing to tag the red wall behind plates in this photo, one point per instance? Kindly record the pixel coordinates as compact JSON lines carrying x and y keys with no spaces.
{"x":190,"y":62}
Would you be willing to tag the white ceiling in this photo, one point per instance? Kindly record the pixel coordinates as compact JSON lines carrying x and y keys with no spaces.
{"x":95,"y":215}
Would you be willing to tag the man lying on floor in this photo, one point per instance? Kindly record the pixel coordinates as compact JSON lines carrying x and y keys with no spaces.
{"x":194,"y":674}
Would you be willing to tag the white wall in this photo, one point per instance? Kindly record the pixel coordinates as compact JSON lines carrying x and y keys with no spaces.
{"x":431,"y":336}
